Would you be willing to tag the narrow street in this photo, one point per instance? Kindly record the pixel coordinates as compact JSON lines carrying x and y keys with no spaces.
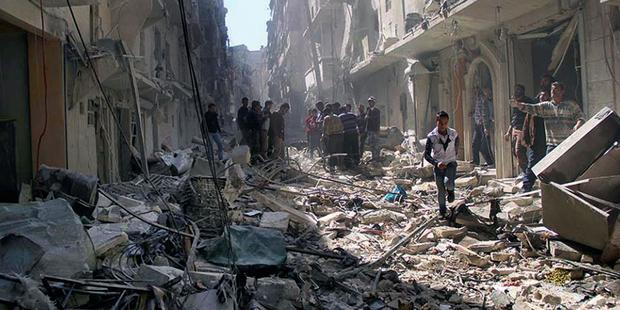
{"x":309,"y":154}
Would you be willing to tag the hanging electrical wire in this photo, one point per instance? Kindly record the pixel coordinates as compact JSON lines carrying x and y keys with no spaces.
{"x":44,"y":131}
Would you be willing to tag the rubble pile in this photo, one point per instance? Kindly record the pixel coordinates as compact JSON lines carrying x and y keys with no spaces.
{"x":288,"y":234}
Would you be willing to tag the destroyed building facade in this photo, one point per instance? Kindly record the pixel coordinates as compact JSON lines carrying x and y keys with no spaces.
{"x":420,"y":57}
{"x":249,"y":71}
{"x":138,"y":52}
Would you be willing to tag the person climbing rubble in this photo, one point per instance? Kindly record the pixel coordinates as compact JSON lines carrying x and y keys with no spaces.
{"x":441,"y":151}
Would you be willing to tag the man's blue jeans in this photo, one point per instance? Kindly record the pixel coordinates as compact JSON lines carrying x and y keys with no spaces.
{"x":217,"y":139}
{"x":444,"y":178}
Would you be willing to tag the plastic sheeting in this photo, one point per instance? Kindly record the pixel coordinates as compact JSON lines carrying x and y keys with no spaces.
{"x":253,"y":248}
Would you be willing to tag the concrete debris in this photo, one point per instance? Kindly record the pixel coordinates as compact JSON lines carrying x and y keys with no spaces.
{"x":275,"y":220}
{"x":307,"y":238}
{"x":562,"y":250}
{"x":105,"y":240}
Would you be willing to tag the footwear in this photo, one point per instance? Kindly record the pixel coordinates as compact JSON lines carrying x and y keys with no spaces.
{"x":450,"y":196}
{"x":443,"y":212}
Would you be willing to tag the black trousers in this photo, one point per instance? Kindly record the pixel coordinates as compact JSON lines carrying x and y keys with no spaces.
{"x":333,"y":145}
{"x":481,"y":144}
{"x":352,"y":148}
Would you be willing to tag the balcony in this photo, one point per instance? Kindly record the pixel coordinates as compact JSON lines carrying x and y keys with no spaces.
{"x":465,"y":18}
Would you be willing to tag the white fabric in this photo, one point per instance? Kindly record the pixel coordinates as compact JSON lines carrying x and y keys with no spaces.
{"x":449,"y":154}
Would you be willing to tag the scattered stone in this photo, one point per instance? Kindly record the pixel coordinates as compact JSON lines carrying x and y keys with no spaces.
{"x":274,"y":293}
{"x":382,"y":215}
{"x":110,"y":214}
{"x":560,"y":249}
{"x":332,"y":217}
{"x":522,"y":201}
{"x":501,"y":300}
{"x":449,"y":232}
{"x":417,"y":248}
{"x":477,"y":191}
{"x":488,"y":246}
{"x":502,"y":271}
{"x":275,"y":220}
{"x":501,"y":256}
{"x":106,"y":239}
{"x":470,"y":181}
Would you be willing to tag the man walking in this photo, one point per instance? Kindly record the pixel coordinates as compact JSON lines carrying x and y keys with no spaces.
{"x":213,"y":127}
{"x":515,"y":131}
{"x":242,"y":120}
{"x":264,"y":130}
{"x":482,"y":124}
{"x":442,"y":145}
{"x":562,"y":117}
{"x":373,"y":125}
{"x":277,"y":130}
{"x":350,"y":136}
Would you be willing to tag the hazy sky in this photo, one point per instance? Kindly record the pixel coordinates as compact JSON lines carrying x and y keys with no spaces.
{"x":247,"y":22}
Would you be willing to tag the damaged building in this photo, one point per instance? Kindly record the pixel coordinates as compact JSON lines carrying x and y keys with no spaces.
{"x":420,"y":57}
{"x":62,"y":119}
{"x":249,"y":71}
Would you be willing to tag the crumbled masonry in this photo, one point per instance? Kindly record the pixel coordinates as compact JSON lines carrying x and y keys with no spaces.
{"x":303,"y":238}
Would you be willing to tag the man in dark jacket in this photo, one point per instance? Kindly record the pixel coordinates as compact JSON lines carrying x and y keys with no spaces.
{"x":277,"y":130}
{"x":242,"y":120}
{"x":373,"y":126}
{"x":351,"y":136}
{"x":254,"y":120}
{"x":213,"y":127}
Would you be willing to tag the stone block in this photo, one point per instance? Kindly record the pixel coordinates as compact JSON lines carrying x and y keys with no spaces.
{"x":417,"y":248}
{"x":470,"y":181}
{"x":275,"y":220}
{"x":105,"y":239}
{"x":449,"y":232}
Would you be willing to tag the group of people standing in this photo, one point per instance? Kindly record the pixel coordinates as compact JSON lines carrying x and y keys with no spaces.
{"x":261,"y":129}
{"x":537,"y":127}
{"x":335,"y":132}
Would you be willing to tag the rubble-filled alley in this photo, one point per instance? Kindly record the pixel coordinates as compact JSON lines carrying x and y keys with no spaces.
{"x":309,"y":154}
{"x":288,"y":234}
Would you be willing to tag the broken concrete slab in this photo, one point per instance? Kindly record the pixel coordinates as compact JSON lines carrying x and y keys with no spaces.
{"x":560,"y":249}
{"x":470,"y":181}
{"x":500,"y":257}
{"x":275,"y":220}
{"x":157,"y":275}
{"x":573,"y":156}
{"x":449,"y":232}
{"x":272,"y":292}
{"x":105,"y":240}
{"x":55,"y":228}
{"x":71,"y":184}
{"x":296,"y":215}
